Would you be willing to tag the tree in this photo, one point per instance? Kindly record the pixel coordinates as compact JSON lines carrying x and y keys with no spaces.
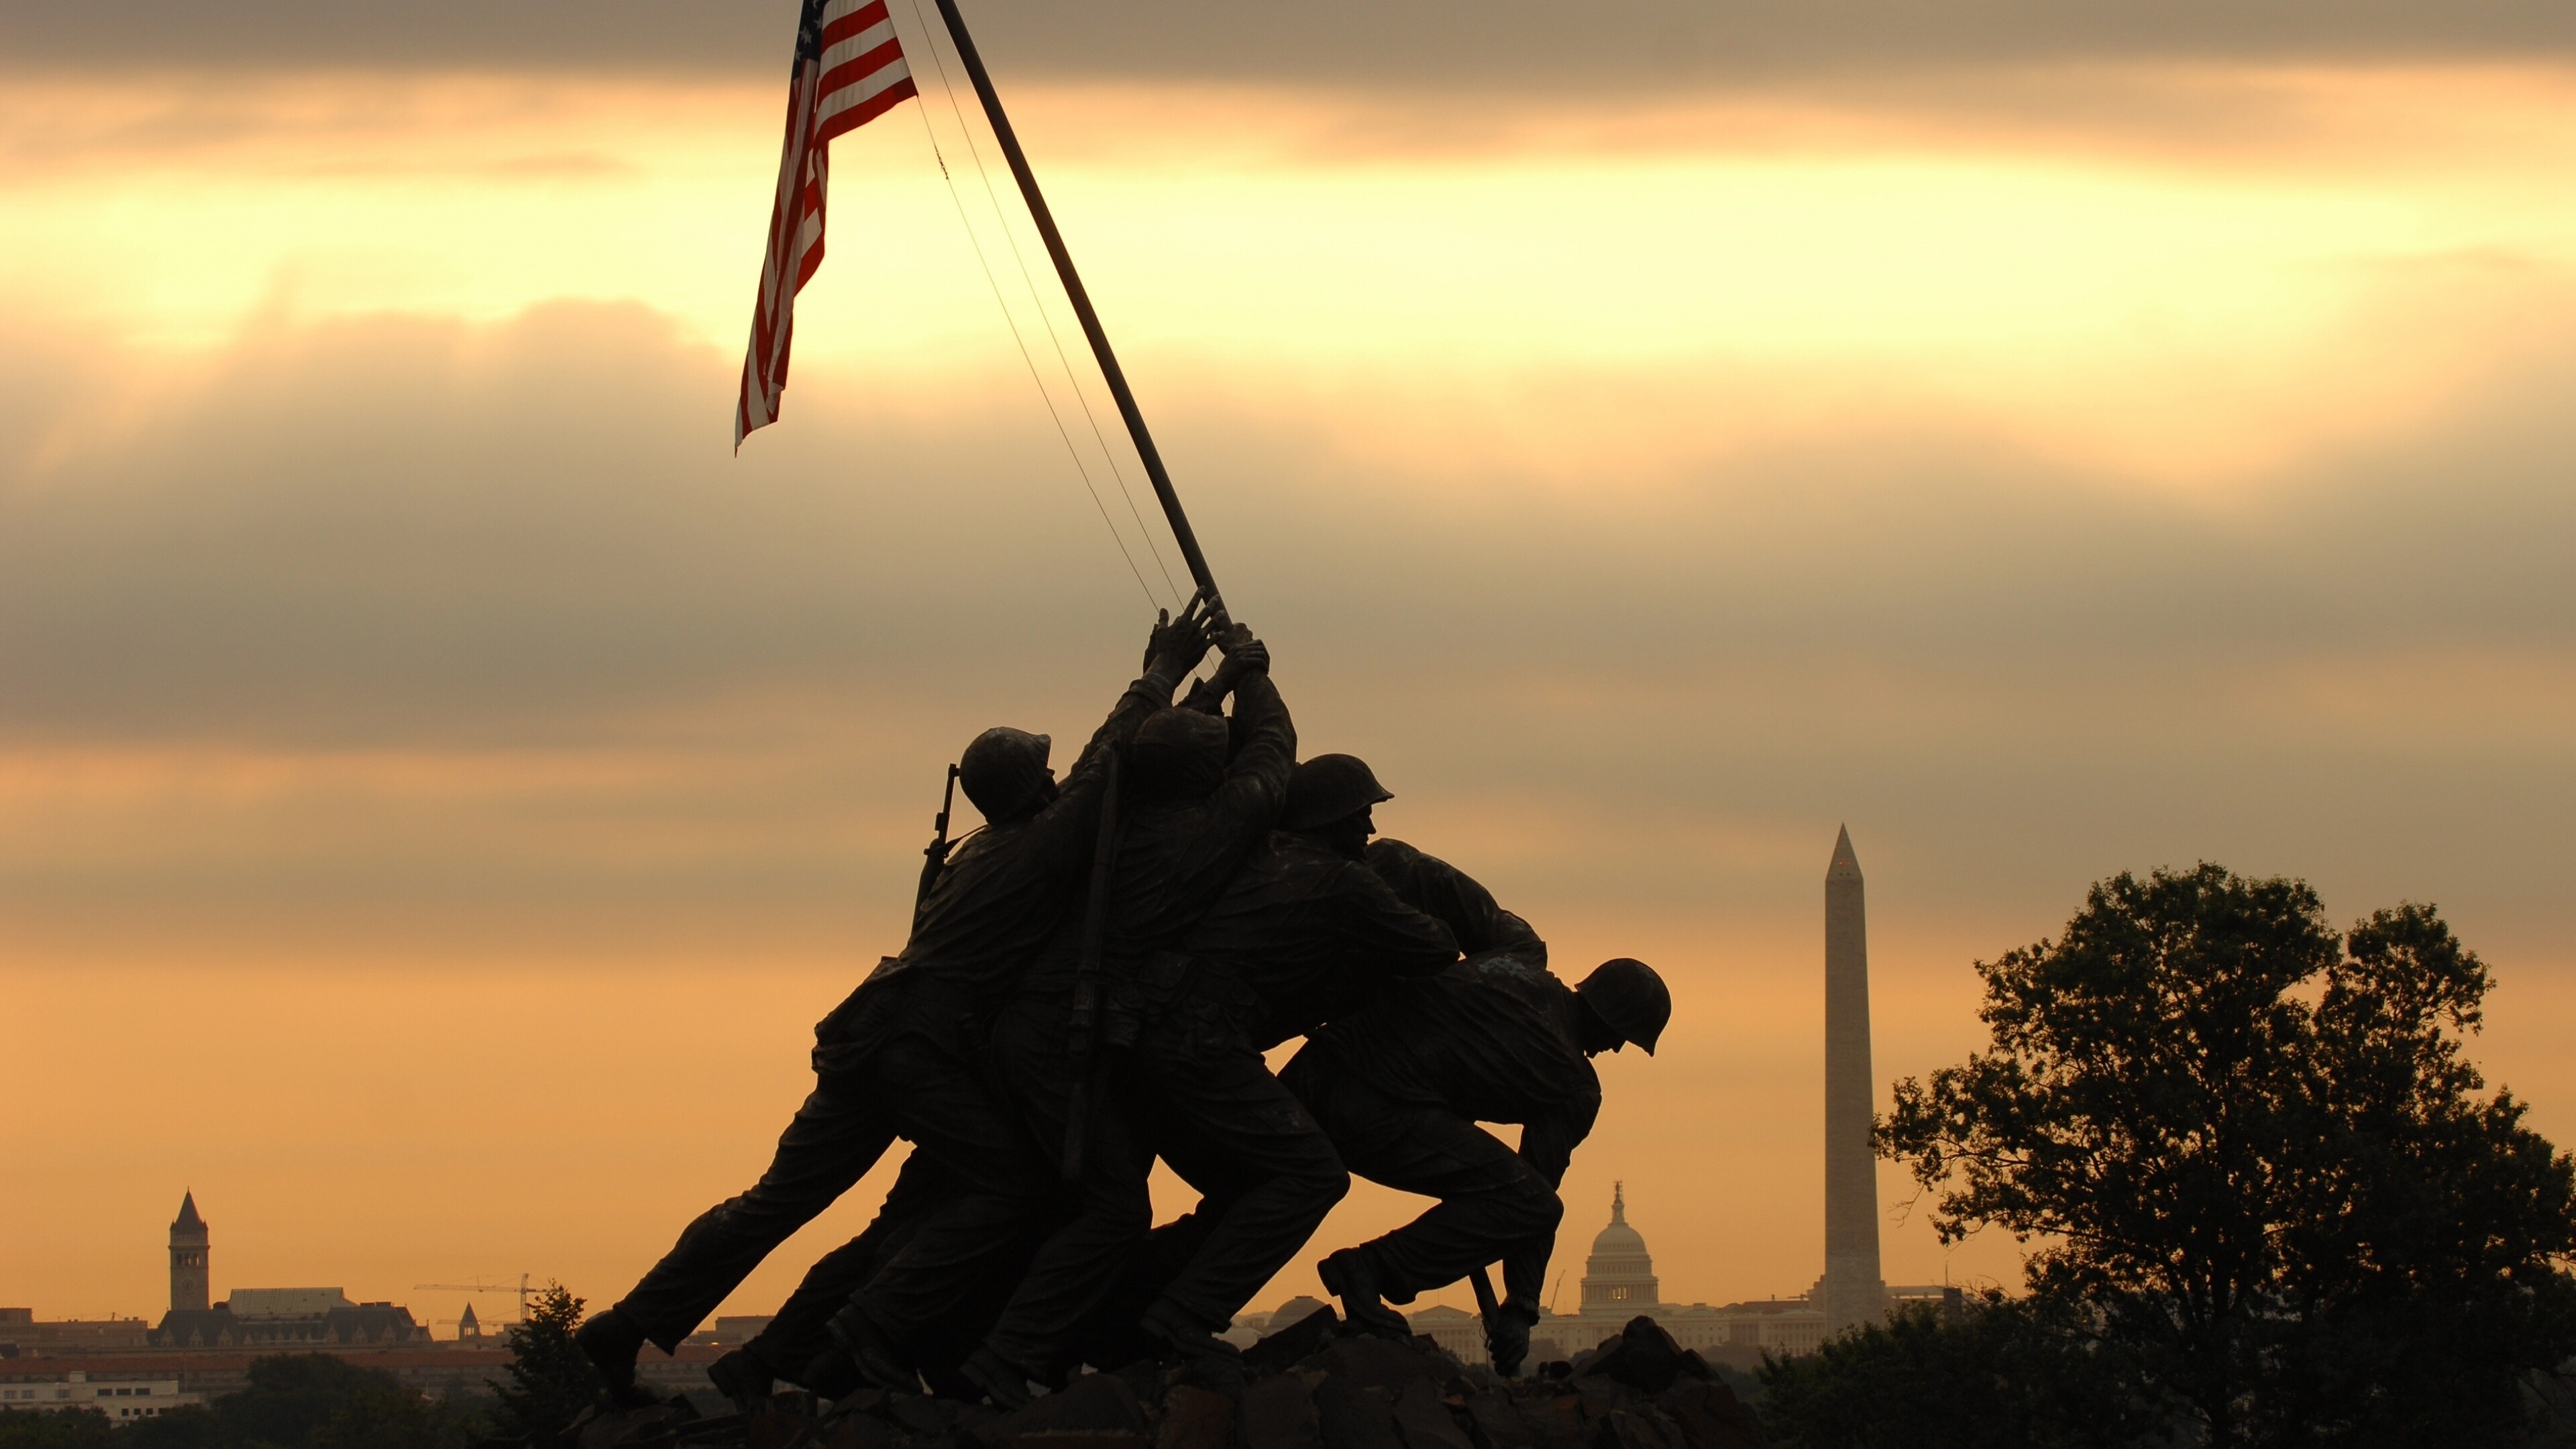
{"x":63,"y":1429}
{"x":192,"y":1426}
{"x":2421,"y":1278}
{"x":551,"y":1380}
{"x":306,"y":1401}
{"x":1997,"y":1373}
{"x":2256,"y":1158}
{"x":291,"y":1397}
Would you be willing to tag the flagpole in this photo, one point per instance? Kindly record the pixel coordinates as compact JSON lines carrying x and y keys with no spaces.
{"x":1081,"y":300}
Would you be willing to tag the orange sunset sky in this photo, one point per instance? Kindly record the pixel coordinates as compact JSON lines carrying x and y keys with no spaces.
{"x":440,"y":784}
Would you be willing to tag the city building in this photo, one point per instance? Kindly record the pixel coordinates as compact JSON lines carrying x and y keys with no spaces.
{"x":21,"y":1334}
{"x":1619,"y":1284}
{"x":732,"y":1330}
{"x":1619,"y":1277}
{"x":120,"y":1399}
{"x":265,"y":1318}
{"x":129,"y":1368}
{"x":202,"y":1349}
{"x":188,"y":1258}
{"x":284,"y":1319}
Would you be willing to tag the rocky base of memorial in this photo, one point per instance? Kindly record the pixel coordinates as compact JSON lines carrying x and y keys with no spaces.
{"x":1313,"y":1385}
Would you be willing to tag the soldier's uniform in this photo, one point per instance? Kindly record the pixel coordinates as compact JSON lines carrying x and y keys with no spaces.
{"x":901,"y":1057}
{"x":1453,"y":898}
{"x":1301,"y":936}
{"x":1401,"y":1084}
{"x":1175,"y":858}
{"x":800,"y":1331}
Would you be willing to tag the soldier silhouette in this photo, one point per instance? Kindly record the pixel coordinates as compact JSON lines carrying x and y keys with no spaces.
{"x":1400,"y":1085}
{"x":902,"y":1057}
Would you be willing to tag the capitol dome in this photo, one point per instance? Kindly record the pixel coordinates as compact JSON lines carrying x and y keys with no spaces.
{"x":1619,"y":1277}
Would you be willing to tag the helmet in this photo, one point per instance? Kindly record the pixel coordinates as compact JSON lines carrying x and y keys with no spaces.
{"x":1328,"y":787}
{"x":1631,"y":998}
{"x":1004,"y":771}
{"x":1179,"y":754}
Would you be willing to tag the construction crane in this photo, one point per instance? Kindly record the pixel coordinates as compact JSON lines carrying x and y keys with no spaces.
{"x":479,"y":1286}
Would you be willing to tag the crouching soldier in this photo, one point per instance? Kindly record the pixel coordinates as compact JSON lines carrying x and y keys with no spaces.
{"x":1400,"y":1085}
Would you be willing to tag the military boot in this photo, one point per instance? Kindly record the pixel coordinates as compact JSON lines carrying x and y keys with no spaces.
{"x":740,"y":1377}
{"x":859,"y":1358}
{"x":1351,"y":1277}
{"x":1003,"y":1384}
{"x":1216,"y":1362}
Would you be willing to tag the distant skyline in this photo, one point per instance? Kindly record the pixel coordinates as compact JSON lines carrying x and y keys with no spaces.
{"x":2061,"y":444}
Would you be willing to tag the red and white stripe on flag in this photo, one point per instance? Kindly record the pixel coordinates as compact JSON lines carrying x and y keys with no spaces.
{"x":849,"y":71}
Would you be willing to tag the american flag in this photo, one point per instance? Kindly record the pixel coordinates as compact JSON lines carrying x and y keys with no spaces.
{"x":849,"y":71}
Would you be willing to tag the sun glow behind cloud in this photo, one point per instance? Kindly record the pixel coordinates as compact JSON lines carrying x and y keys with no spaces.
{"x":1749,"y":272}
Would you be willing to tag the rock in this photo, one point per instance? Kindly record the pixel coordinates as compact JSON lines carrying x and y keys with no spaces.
{"x":1426,"y":1421}
{"x":1368,"y":1362}
{"x":651,"y":1424}
{"x":1599,"y":1396}
{"x":1497,"y":1422}
{"x":1352,"y":1416}
{"x":1279,"y":1413}
{"x":1349,"y":1391}
{"x":1710,"y":1416}
{"x":922,"y":1414}
{"x":857,"y":1431}
{"x":787,"y":1423}
{"x":1557,"y":1419}
{"x":1638,"y":1428}
{"x":1195,"y":1419}
{"x":1643,"y":1356}
{"x":1091,"y":1404}
{"x":1282,"y":1347}
{"x":1147,"y":1379}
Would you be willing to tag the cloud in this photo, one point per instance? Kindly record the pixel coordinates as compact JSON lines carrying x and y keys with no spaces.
{"x":440,"y":621}
{"x":1657,"y":44}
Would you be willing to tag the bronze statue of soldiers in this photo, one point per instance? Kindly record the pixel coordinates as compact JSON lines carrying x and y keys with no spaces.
{"x":902,"y":1057}
{"x":1401,"y":1084}
{"x":1197,"y":812}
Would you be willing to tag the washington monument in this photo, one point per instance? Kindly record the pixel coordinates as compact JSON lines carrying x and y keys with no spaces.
{"x":1853,"y":1291}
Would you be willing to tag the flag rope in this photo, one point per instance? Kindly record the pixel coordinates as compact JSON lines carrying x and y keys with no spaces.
{"x":1031,"y":363}
{"x":1072,"y":379}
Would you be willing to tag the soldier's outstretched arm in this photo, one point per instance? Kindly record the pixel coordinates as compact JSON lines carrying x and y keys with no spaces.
{"x":1428,"y":883}
{"x":1548,"y":1141}
{"x":1547,"y":1145}
{"x":1375,"y":925}
{"x":1525,"y":1277}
